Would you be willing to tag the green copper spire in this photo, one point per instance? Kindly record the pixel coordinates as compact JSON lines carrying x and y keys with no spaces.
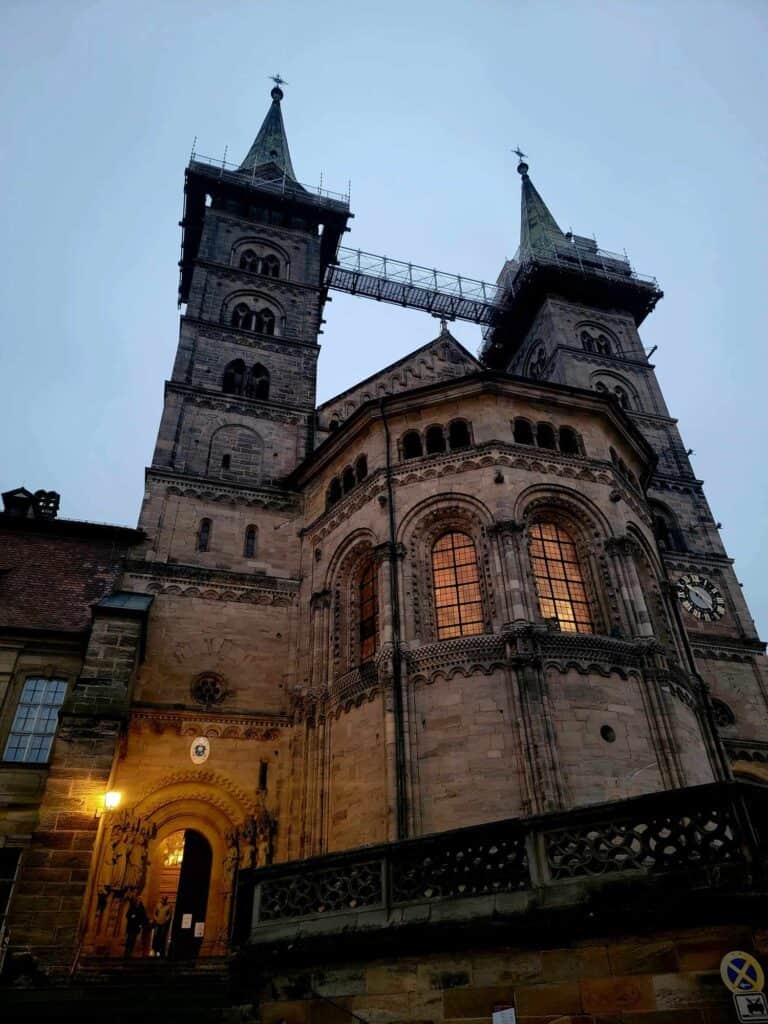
{"x":538,"y":228}
{"x":271,"y":145}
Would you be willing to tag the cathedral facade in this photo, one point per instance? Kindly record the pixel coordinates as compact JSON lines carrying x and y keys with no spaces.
{"x":450,"y":649}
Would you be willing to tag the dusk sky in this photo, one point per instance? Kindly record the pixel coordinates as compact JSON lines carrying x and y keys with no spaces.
{"x":644,"y":123}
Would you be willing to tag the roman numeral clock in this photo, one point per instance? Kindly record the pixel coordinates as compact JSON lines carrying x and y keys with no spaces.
{"x":700,"y":597}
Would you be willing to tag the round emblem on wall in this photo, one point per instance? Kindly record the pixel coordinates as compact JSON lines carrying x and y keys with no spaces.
{"x":700,"y":597}
{"x":200,"y":749}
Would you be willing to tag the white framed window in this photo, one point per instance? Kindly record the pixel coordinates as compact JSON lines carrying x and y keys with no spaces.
{"x":36,"y":719}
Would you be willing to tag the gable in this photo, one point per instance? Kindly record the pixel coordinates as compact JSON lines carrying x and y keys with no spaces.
{"x":444,"y":358}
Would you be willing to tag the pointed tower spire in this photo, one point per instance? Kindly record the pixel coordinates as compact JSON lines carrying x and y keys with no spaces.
{"x":271,"y":145}
{"x":538,"y":228}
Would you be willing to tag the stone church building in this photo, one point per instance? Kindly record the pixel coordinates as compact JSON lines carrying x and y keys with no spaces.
{"x":436,"y":698}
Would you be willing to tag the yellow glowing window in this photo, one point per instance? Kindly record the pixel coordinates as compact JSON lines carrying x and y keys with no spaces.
{"x":559,"y":579}
{"x":457,"y":587}
{"x":368,"y":607}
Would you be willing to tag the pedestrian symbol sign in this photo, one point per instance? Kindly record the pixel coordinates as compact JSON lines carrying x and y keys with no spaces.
{"x":741,"y":972}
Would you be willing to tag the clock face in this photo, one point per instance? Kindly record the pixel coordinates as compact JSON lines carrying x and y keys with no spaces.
{"x":700,"y":597}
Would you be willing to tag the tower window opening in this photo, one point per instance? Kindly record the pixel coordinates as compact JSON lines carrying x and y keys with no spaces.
{"x":270,"y":266}
{"x":458,"y":435}
{"x":204,"y":535}
{"x":258,"y":382}
{"x":435,"y":440}
{"x":538,"y":363}
{"x":412,"y":448}
{"x":559,"y":579}
{"x":226,"y":461}
{"x":334,"y":492}
{"x":249,"y":261}
{"x":361,"y":468}
{"x":456,"y":579}
{"x":622,"y":397}
{"x":348,"y":479}
{"x":368,"y":609}
{"x":522,"y":431}
{"x":249,"y":549}
{"x":265,"y":321}
{"x":569,"y":441}
{"x":545,"y":435}
{"x":333,"y":426}
{"x":234,"y":377}
{"x":263,"y":773}
{"x":242,"y":317}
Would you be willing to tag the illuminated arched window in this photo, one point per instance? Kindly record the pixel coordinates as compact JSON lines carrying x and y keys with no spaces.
{"x":368,"y":611}
{"x":456,"y":579}
{"x":559,"y":579}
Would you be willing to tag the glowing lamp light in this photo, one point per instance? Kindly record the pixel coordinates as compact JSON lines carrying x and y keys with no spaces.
{"x":112,"y":799}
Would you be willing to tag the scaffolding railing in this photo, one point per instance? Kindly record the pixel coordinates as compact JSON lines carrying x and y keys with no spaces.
{"x":407,"y":284}
{"x":279,"y":184}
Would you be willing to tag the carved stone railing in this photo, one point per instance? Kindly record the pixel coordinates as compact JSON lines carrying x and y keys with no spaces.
{"x":747,"y":750}
{"x":709,"y":831}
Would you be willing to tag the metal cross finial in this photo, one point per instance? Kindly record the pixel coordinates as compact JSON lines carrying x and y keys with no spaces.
{"x":519,"y":153}
{"x":278,"y":80}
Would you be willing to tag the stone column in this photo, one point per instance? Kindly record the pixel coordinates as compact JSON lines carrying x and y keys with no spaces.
{"x":516,"y":573}
{"x":621,"y":549}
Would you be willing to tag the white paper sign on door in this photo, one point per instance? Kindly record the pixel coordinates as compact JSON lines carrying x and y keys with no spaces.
{"x":186,"y":920}
{"x":199,"y":929}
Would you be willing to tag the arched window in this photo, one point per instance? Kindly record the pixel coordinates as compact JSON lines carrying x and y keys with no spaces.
{"x":601,"y":388}
{"x":249,"y":261}
{"x":622,"y":396}
{"x":234,"y":376}
{"x":334,"y":492}
{"x":458,"y":435}
{"x":456,"y":579}
{"x":569,"y":441}
{"x":559,"y":578}
{"x":258,"y":382}
{"x":722,"y":713}
{"x":204,"y":535}
{"x":270,"y":266}
{"x":668,"y":534}
{"x":602,"y":345}
{"x":242,"y":317}
{"x":545,"y":436}
{"x":435,"y":440}
{"x":587,"y":341}
{"x":361,"y":468}
{"x":368,"y":611}
{"x":226,"y":461}
{"x":412,"y":445}
{"x":538,"y":362}
{"x":348,"y":479}
{"x":522,"y":431}
{"x":249,"y":549}
{"x":265,"y":321}
{"x":333,"y":426}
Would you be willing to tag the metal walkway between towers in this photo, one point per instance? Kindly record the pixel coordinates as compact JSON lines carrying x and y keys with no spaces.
{"x":406,"y":284}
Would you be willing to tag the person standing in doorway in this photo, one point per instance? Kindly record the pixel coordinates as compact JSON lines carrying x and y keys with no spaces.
{"x":161,"y":922}
{"x":135,"y":920}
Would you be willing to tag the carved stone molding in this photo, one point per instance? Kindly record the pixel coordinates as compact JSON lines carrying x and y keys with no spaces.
{"x":211,"y":584}
{"x":191,"y":723}
{"x":747,"y":750}
{"x":208,"y":489}
{"x":464,"y":656}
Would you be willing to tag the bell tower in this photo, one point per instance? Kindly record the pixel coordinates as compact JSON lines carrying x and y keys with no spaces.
{"x":239,"y":408}
{"x":571,"y":315}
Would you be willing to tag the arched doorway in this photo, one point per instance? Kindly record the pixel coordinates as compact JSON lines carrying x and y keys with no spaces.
{"x":180,"y":879}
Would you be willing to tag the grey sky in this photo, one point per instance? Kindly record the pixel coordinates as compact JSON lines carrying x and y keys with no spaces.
{"x":644,"y":122}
